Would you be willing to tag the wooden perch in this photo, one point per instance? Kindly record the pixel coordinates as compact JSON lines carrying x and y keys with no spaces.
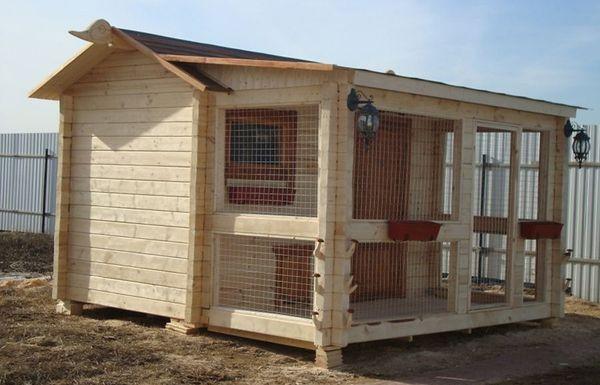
{"x":317,"y":251}
{"x":348,"y":318}
{"x":348,"y":284}
{"x":318,"y":322}
{"x":352,"y":248}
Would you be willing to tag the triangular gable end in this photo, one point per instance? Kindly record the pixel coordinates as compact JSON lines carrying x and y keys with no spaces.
{"x":103,"y":43}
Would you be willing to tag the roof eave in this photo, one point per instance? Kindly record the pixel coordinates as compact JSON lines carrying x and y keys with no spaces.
{"x":389,"y":82}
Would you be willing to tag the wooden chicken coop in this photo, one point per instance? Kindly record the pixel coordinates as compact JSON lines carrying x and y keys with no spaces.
{"x":237,"y":191}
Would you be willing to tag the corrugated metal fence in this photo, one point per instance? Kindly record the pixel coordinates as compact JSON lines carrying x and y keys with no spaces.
{"x":23,"y":194}
{"x":583,"y":222}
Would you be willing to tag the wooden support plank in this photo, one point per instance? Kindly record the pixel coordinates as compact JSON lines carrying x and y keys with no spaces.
{"x":134,"y":129}
{"x":263,"y":225}
{"x":124,"y":186}
{"x":302,"y":65}
{"x":147,"y":115}
{"x":193,"y":314}
{"x":514,"y":262}
{"x":261,"y":323}
{"x":128,"y":259}
{"x":446,"y":322}
{"x":323,"y":298}
{"x":62,"y":200}
{"x":135,"y":289}
{"x":160,"y":174}
{"x":308,"y":345}
{"x":133,"y":274}
{"x":131,"y":201}
{"x":120,"y":301}
{"x":559,"y":214}
{"x":145,"y":217}
{"x":133,"y":245}
{"x":462,"y":295}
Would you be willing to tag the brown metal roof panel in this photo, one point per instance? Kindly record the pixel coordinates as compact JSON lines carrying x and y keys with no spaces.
{"x":172,"y":46}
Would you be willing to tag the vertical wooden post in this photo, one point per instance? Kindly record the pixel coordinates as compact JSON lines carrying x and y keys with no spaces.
{"x":514,"y":259}
{"x":344,"y":246}
{"x":208,"y":204}
{"x":561,"y":184}
{"x":462,"y":266}
{"x":545,"y":198}
{"x":61,"y":233}
{"x":324,"y":282}
{"x":197,"y":190}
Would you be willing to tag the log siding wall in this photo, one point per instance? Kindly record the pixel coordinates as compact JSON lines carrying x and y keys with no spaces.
{"x":130,"y":187}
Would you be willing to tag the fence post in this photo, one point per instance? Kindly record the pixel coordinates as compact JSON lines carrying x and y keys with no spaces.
{"x":44,"y":187}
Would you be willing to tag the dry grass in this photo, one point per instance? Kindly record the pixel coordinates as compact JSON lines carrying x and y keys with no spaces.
{"x":108,"y":346}
{"x":25,"y":253}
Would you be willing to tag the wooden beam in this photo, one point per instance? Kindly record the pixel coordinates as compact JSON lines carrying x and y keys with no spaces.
{"x":248,"y":62}
{"x":61,"y":232}
{"x":186,"y":77}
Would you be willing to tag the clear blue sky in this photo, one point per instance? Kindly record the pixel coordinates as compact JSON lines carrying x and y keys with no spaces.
{"x":541,"y":49}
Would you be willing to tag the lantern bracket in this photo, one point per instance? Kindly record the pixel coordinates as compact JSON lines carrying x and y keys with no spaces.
{"x":354,"y":99}
{"x":569,"y":129}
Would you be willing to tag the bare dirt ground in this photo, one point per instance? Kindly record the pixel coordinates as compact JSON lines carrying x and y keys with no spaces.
{"x":108,"y":346}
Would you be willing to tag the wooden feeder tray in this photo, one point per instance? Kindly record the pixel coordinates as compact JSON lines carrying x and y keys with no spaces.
{"x":540,"y":229}
{"x":413,"y":230}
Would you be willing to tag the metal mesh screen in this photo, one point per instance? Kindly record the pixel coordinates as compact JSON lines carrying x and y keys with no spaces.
{"x":406,"y":172}
{"x":490,"y":210}
{"x":400,"y":280}
{"x":270,"y":275}
{"x":271,"y":160}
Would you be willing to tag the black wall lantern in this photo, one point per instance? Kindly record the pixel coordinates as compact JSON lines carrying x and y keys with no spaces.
{"x":581,"y":141}
{"x":368,"y":115}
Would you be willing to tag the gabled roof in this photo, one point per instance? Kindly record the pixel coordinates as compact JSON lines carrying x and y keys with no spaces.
{"x":181,"y":58}
{"x":169,"y":45}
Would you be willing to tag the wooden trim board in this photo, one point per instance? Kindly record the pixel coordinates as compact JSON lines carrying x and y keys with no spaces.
{"x":248,"y":62}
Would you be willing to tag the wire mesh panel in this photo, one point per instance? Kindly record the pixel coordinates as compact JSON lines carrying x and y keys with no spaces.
{"x":399,"y":280}
{"x":271,"y":157}
{"x":490,"y":210}
{"x":405,"y":172}
{"x":270,"y":275}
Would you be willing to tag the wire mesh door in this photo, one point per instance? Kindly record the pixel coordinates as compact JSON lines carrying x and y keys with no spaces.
{"x":405,"y":173}
{"x":270,"y":275}
{"x":491,"y":206}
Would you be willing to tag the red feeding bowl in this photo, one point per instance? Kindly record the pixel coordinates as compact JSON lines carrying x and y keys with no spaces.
{"x":540,"y":229}
{"x":413,"y":230}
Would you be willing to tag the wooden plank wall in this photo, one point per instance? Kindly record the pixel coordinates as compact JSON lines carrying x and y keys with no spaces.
{"x":130,"y":187}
